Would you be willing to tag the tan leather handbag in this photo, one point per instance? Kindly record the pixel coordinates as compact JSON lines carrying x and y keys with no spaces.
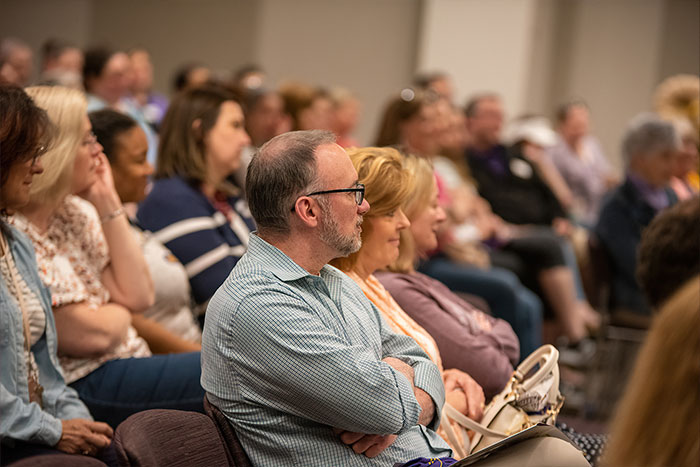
{"x":530,"y":397}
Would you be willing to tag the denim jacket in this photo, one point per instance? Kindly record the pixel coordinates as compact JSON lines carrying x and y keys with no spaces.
{"x":20,"y":419}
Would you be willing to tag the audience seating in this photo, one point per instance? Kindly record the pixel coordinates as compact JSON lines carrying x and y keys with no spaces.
{"x":618,"y":342}
{"x":172,"y":438}
{"x":234,"y":450}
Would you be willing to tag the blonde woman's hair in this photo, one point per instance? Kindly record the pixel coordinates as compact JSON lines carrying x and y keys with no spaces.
{"x":387,"y":185}
{"x":658,"y":421}
{"x":67,"y":110}
{"x":423,"y":181}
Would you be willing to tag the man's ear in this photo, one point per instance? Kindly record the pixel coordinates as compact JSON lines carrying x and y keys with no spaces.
{"x":307,"y":211}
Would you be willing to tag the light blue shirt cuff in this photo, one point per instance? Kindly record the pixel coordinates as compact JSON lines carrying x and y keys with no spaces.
{"x":427,"y":377}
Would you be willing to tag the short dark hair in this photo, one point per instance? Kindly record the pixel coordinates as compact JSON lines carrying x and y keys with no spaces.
{"x":96,"y":59}
{"x":423,"y":81}
{"x":562,"y":112}
{"x":281,"y":171}
{"x":25,"y":129}
{"x":53,"y":48}
{"x":669,"y":252}
{"x":472,"y":105}
{"x":182,"y":75}
{"x":108,"y":125}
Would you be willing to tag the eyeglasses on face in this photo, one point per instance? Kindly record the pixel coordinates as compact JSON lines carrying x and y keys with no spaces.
{"x":358,"y":189}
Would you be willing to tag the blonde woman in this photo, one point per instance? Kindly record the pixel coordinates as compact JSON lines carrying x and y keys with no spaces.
{"x":97,"y":276}
{"x":387,"y":186}
{"x":658,"y":421}
{"x":468,"y":339}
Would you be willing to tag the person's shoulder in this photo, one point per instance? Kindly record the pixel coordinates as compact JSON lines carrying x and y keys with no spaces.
{"x":20,"y":239}
{"x":165,"y":188}
{"x":78,"y":212}
{"x":170,"y":200}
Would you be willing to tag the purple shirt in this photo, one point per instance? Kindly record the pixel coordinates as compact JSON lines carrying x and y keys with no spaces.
{"x":495,"y":158}
{"x":487,"y":355}
{"x":654,"y":196}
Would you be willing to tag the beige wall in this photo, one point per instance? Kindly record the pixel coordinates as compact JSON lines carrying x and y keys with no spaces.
{"x":216,"y":32}
{"x":536,"y":53}
{"x":484,"y":45}
{"x":365,"y":45}
{"x":34,"y":21}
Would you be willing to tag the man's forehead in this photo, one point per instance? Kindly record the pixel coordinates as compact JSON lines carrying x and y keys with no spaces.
{"x":334,"y":164}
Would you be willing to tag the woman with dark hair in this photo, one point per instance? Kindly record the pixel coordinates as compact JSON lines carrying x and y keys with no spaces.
{"x":170,"y":325}
{"x":193,"y":209}
{"x":40,"y":414}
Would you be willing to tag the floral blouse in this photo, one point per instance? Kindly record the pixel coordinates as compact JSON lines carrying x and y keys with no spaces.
{"x":71,"y":255}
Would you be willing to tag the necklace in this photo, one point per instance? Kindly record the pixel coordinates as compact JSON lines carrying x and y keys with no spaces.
{"x":36,"y":390}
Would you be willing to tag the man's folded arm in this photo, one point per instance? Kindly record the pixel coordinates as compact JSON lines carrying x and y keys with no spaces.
{"x":426,"y":373}
{"x":301,"y":366}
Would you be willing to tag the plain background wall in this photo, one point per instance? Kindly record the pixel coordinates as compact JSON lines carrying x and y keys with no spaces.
{"x":536,"y":53}
{"x":367,"y":46}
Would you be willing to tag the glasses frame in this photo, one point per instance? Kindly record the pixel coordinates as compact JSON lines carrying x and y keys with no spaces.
{"x":358,"y":189}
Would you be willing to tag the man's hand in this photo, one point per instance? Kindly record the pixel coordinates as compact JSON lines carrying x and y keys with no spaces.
{"x":81,"y":436}
{"x":369,"y":445}
{"x":457,"y":381}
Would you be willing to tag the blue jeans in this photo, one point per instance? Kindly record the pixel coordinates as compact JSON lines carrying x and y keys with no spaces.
{"x":120,"y":388}
{"x":507,"y":297}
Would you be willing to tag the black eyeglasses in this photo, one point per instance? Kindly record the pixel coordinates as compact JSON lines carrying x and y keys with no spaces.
{"x":358,"y":189}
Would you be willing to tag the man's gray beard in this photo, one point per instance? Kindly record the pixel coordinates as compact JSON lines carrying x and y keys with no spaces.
{"x":344,"y":244}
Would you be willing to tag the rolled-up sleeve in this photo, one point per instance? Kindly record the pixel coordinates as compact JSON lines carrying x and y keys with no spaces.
{"x":426,"y":374}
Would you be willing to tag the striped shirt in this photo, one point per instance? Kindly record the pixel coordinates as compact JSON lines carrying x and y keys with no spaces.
{"x":201,"y":237}
{"x":288,"y":355}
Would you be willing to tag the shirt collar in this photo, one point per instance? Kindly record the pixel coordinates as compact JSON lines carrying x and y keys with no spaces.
{"x":281,"y":265}
{"x":654,"y":196}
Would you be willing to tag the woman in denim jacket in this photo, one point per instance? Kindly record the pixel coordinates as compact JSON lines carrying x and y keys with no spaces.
{"x":39,"y":413}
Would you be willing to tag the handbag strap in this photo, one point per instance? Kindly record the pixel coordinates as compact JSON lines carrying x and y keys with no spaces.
{"x":470,"y":424}
{"x":547,"y":356}
{"x":461,"y":449}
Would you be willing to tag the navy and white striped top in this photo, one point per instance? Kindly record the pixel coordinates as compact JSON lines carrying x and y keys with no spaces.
{"x":202,"y":238}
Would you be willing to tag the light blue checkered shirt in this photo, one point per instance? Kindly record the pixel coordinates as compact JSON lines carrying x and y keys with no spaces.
{"x":287,"y":355}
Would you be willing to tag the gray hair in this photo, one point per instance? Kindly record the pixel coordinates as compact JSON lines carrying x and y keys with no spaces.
{"x":282,"y":170}
{"x":648,"y":134}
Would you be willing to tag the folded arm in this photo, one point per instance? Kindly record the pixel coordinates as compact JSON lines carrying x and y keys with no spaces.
{"x":308,"y":369}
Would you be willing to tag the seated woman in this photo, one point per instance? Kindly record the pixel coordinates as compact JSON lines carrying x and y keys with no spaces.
{"x":387,"y":185}
{"x":171,"y":326}
{"x":193,"y":210}
{"x":40,"y":414}
{"x":468,"y":339}
{"x":411,"y":121}
{"x":97,"y":275}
